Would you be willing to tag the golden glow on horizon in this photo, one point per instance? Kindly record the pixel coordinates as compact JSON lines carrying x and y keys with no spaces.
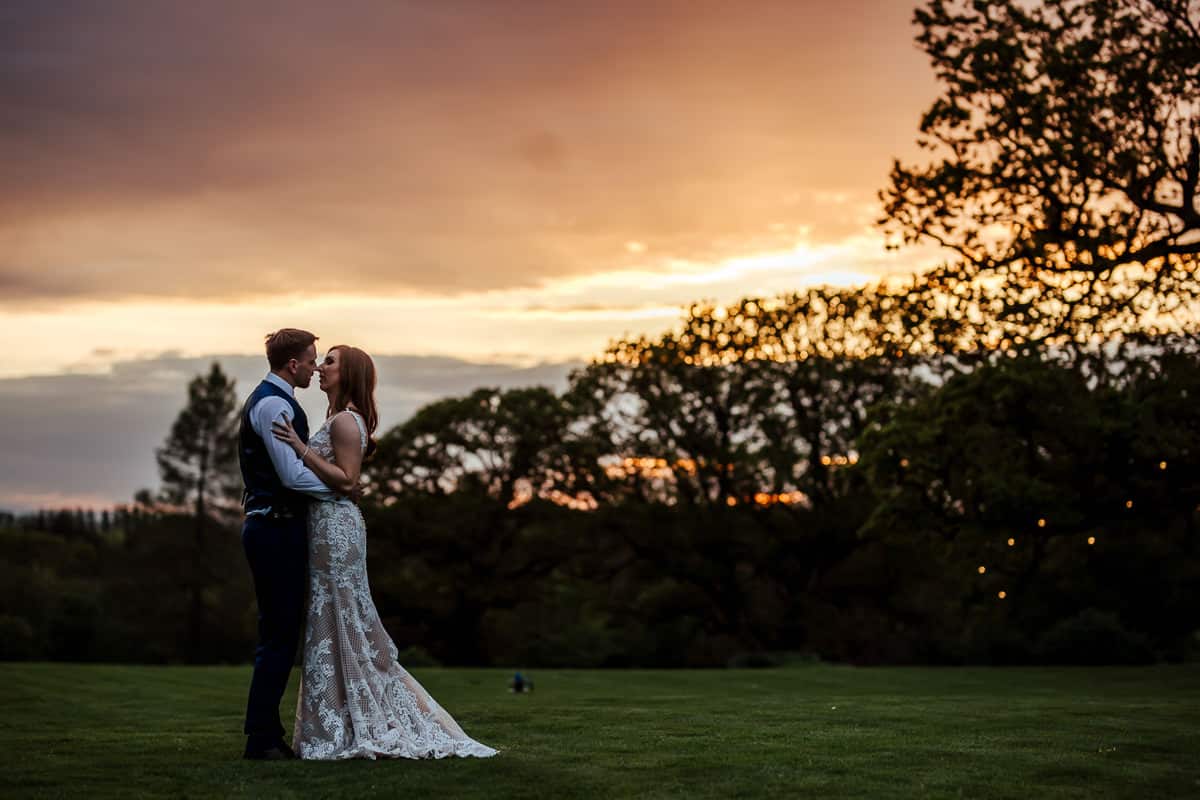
{"x":570,"y":318}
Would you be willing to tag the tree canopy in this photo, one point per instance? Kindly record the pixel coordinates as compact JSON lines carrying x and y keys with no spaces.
{"x":198,"y":460}
{"x":1064,"y":168}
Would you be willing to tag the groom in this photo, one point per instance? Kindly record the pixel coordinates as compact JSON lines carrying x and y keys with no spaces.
{"x":278,"y":489}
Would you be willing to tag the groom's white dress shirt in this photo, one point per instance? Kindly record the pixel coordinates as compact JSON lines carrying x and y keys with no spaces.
{"x":288,"y":466}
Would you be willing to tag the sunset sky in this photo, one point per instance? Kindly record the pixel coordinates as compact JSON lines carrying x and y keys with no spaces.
{"x":496,"y":189}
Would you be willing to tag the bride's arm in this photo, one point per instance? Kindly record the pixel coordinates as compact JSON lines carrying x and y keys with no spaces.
{"x":347,"y":451}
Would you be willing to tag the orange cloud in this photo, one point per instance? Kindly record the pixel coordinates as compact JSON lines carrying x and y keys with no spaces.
{"x":226,"y":150}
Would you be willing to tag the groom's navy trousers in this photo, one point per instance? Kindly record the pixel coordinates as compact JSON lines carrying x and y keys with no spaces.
{"x":277,"y":549}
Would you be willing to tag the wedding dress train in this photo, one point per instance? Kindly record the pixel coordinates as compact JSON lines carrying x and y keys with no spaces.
{"x":356,"y":701}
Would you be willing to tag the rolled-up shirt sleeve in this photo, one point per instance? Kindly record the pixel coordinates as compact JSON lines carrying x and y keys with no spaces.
{"x":288,"y":466}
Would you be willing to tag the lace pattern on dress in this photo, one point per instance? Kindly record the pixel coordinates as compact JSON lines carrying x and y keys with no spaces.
{"x":356,"y":701}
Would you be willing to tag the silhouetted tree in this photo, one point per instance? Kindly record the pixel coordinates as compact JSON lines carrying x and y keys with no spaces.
{"x":198,"y":461}
{"x":762,"y":396}
{"x":461,"y":466}
{"x":502,"y":442}
{"x":63,"y":521}
{"x":198,"y":466}
{"x":1065,"y":167}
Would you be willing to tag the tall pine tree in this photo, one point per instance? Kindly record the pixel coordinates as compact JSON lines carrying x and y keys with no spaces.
{"x":199,"y":469}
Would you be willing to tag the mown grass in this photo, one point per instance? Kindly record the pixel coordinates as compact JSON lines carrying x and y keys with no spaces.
{"x":818,"y":731}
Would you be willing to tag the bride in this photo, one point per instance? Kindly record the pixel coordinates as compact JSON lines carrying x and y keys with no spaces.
{"x":356,"y":701}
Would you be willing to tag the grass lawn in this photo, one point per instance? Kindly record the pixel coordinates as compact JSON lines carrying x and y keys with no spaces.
{"x":819,"y":731}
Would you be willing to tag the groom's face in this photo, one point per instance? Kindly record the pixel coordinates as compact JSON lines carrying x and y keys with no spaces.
{"x":304,"y":367}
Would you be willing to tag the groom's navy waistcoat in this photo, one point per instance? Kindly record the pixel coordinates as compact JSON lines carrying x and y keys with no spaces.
{"x":263,"y":487}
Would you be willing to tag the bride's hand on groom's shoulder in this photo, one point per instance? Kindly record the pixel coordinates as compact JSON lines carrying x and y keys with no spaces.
{"x":284,"y":431}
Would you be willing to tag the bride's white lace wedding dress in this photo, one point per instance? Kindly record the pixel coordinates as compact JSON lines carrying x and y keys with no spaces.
{"x":356,"y":701}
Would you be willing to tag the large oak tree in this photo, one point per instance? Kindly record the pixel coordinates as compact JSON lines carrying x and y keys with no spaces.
{"x":1064,"y":167}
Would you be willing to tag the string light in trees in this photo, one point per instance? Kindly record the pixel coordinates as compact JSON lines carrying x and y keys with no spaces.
{"x":1002,"y":594}
{"x":1011,"y":542}
{"x":982,"y":569}
{"x":1091,"y":540}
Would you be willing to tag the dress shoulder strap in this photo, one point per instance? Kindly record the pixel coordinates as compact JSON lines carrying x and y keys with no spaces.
{"x":362,"y":425}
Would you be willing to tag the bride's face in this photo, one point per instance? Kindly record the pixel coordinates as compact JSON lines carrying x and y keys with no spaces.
{"x":328,"y":371}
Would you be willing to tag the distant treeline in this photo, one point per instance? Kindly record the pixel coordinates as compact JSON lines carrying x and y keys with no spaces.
{"x":695,"y":501}
{"x":70,"y":520}
{"x":122,"y":593}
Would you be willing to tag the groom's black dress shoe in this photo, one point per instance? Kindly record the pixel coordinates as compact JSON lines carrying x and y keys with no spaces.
{"x":275,"y":752}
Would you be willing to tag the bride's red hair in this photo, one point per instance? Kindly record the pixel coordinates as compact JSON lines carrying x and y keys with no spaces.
{"x":356,"y":386}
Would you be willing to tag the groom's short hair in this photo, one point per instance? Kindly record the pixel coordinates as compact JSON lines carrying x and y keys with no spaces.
{"x":285,"y":344}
